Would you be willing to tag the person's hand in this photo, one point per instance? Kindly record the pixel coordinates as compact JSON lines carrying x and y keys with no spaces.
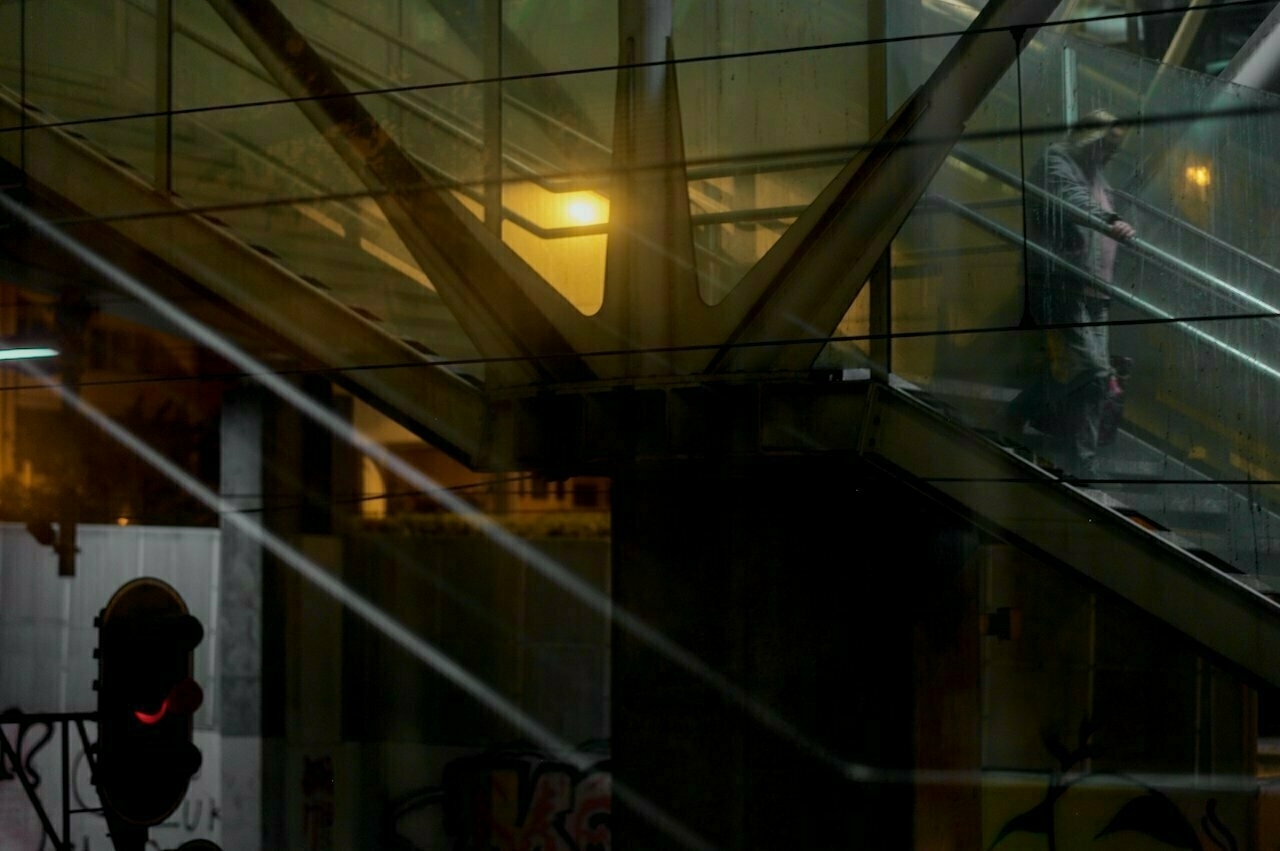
{"x":1122,"y":230}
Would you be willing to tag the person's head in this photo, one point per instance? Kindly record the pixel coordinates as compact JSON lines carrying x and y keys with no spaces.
{"x":1097,"y":136}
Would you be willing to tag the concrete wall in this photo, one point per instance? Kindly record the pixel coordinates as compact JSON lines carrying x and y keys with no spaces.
{"x":1104,"y":728}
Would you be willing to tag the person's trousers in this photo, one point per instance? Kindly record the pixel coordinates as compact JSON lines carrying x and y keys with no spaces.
{"x":1079,"y":364}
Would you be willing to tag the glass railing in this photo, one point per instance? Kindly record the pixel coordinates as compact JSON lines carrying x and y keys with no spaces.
{"x":1194,"y":312}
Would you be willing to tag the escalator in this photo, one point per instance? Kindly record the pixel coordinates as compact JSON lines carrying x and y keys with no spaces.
{"x":1194,"y":305}
{"x":1147,"y":469}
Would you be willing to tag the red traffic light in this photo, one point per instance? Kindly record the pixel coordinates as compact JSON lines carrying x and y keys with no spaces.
{"x":146,"y":698}
{"x":184,"y":699}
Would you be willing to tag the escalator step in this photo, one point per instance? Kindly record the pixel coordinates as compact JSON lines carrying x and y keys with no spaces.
{"x":1142,"y":520}
{"x":367,"y":314}
{"x":1216,"y":561}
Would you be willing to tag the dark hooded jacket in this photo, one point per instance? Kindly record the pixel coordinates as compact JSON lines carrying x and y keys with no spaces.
{"x":1073,"y":243}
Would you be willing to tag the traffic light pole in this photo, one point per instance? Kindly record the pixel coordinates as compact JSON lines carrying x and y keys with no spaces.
{"x":72,"y":315}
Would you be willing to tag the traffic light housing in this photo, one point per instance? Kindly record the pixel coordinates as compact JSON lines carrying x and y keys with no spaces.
{"x":146,"y":699}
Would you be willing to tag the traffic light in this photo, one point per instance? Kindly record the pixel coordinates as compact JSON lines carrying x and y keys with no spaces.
{"x":146,"y":698}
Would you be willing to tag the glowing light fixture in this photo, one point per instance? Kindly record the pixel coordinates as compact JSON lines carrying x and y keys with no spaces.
{"x":1199,"y":175}
{"x":586,"y":208}
{"x":27,"y":353}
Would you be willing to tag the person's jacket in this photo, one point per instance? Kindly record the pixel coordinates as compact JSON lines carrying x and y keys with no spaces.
{"x":1054,"y":226}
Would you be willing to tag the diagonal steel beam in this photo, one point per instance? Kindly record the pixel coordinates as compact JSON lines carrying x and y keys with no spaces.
{"x":802,"y":288}
{"x":506,"y":308}
{"x":1257,"y":63}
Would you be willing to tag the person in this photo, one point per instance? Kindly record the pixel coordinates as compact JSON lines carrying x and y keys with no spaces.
{"x":1066,"y":289}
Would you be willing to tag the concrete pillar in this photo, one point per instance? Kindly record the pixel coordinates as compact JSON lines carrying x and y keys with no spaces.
{"x":280,"y":467}
{"x":240,"y":623}
{"x":795,"y":592}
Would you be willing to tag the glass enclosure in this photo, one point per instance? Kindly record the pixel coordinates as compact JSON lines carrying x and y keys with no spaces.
{"x":444,"y":195}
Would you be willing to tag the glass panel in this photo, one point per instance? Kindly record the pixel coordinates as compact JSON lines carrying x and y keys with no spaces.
{"x":104,"y":66}
{"x":263,"y":172}
{"x":551,"y":126}
{"x":557,"y":141}
{"x":560,"y":233}
{"x":212,"y":68}
{"x":760,"y":150}
{"x":403,"y":41}
{"x":267,"y":174}
{"x":921,"y":34}
{"x":1116,"y":695}
{"x":1192,"y":313}
{"x":373,"y":694}
{"x":551,"y":36}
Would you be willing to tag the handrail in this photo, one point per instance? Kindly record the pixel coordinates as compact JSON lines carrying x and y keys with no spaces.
{"x":1216,"y":241}
{"x":1119,"y":293}
{"x":1143,"y":247}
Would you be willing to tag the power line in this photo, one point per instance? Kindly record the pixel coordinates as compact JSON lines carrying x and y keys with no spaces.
{"x":455,"y":363}
{"x":614,"y":67}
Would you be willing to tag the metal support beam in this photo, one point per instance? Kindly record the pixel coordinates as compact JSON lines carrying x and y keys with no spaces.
{"x":1257,"y":63}
{"x":651,"y":301}
{"x":803,"y":287}
{"x":506,"y":308}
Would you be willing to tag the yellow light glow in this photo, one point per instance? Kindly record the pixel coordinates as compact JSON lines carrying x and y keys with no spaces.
{"x":1199,"y":175}
{"x":122,"y":521}
{"x":586,"y":208}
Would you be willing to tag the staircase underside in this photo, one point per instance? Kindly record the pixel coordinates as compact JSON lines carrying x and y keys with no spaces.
{"x":897,"y":430}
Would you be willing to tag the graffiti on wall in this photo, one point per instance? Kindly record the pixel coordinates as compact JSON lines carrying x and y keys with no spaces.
{"x":517,"y":799}
{"x":198,"y":817}
{"x":1078,"y":807}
